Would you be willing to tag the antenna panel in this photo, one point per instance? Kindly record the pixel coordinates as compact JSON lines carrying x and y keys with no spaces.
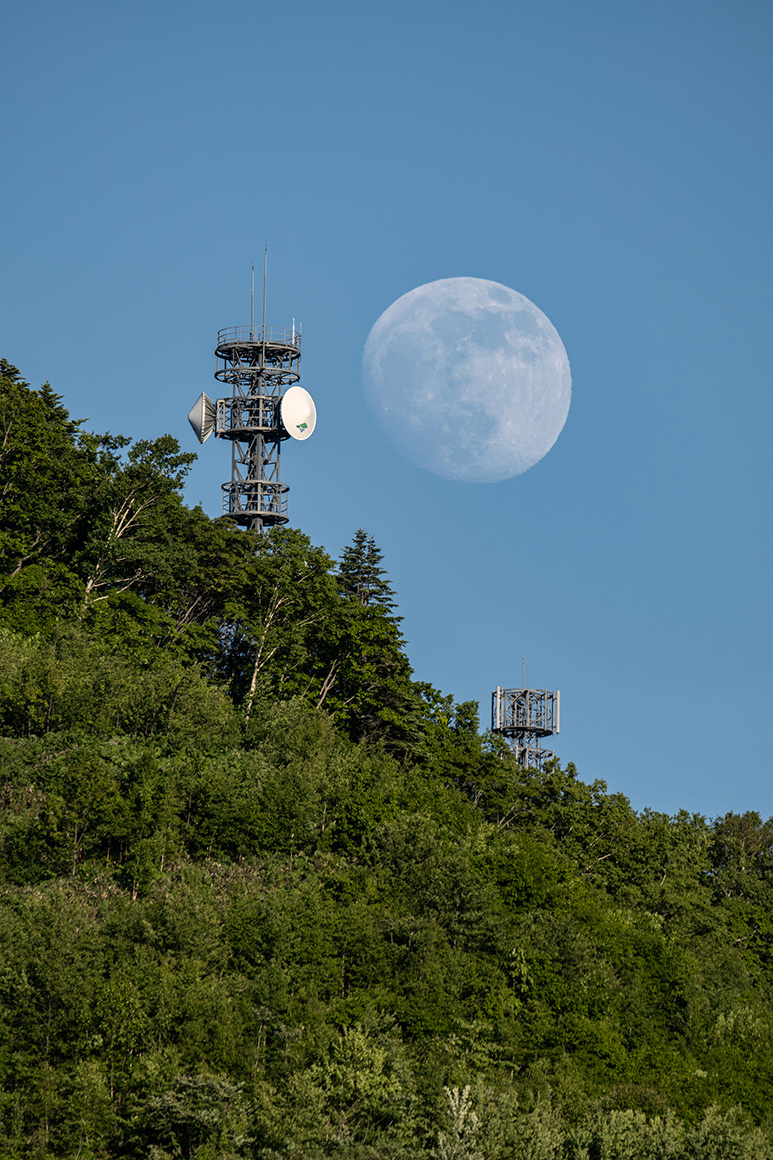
{"x":202,"y":417}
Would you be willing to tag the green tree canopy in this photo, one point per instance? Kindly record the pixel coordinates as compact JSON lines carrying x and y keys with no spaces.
{"x":263,"y":895}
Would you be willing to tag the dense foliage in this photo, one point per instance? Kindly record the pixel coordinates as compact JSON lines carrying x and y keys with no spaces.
{"x":262,"y":895}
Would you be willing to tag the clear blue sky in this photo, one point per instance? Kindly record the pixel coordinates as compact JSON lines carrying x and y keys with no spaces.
{"x":610,"y":161}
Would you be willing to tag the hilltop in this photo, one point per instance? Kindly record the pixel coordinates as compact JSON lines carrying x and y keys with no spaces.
{"x":264,"y":895}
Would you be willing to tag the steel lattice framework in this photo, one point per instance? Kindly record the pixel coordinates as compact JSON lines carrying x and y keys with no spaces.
{"x":258,"y":365}
{"x":525,"y":717}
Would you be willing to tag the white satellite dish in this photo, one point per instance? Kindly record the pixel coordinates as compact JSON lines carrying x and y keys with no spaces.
{"x":299,"y":415}
{"x":202,"y":417}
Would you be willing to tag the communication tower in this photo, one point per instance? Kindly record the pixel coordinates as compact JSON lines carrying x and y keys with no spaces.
{"x":526,"y":716}
{"x":265,"y":408}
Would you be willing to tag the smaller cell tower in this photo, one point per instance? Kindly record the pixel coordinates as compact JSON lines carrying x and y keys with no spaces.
{"x":265,"y":408}
{"x":526,"y":716}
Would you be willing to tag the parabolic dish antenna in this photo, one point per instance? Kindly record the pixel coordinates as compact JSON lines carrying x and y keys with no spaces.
{"x":299,"y":415}
{"x":202,"y":417}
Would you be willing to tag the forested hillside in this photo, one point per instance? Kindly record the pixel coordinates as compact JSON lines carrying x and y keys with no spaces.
{"x":263,"y":895}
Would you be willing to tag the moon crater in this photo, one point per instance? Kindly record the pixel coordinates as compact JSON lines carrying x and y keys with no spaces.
{"x":468,"y":379}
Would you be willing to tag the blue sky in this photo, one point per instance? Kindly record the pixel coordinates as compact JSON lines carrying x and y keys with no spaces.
{"x":611,"y":162}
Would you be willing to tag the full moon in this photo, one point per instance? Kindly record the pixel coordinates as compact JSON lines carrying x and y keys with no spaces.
{"x":468,"y":379}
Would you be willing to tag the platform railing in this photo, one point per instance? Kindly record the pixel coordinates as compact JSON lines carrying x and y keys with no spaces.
{"x":276,"y":335}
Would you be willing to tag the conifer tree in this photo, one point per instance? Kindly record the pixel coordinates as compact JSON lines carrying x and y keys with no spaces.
{"x":367,"y":682}
{"x":361,"y":576}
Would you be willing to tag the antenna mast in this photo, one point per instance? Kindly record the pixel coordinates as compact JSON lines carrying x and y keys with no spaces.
{"x":525,"y":717}
{"x":265,"y":278}
{"x":265,"y":408}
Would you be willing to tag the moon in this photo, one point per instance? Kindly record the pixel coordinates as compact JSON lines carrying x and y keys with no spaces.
{"x":467,"y":379}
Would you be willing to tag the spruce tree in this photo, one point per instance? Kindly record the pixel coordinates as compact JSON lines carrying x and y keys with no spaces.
{"x":361,"y":575}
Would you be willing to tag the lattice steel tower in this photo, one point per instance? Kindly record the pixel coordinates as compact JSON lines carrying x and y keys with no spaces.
{"x":525,"y":717}
{"x":265,"y":408}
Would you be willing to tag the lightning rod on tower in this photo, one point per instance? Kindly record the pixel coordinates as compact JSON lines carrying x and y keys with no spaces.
{"x":265,"y":407}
